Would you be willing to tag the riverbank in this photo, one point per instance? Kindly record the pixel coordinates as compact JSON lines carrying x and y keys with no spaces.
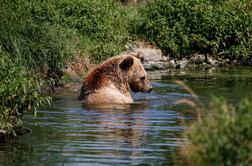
{"x":154,"y":58}
{"x":40,"y":41}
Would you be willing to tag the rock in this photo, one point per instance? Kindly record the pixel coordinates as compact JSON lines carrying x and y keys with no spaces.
{"x":166,"y":58}
{"x":156,"y":74}
{"x":173,"y":63}
{"x":183,"y":63}
{"x":155,"y":65}
{"x":227,"y":61}
{"x":209,"y":59}
{"x":150,"y":54}
{"x":152,"y":58}
{"x":235,"y":62}
{"x":159,"y":65}
{"x":214,"y":63}
{"x":198,"y":58}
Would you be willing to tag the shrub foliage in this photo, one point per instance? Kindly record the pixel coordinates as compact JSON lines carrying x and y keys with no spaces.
{"x":37,"y":38}
{"x":224,"y":137}
{"x":19,"y":93}
{"x":182,"y":27}
{"x":41,"y":36}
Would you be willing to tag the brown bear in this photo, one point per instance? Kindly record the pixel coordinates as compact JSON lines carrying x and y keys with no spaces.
{"x":113,"y":80}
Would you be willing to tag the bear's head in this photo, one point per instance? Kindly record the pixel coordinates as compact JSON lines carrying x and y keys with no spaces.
{"x":136,"y":75}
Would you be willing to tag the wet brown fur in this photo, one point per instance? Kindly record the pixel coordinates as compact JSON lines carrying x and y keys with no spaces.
{"x":112,"y":71}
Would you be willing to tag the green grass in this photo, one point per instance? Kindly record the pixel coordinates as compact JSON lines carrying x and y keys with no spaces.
{"x":45,"y":34}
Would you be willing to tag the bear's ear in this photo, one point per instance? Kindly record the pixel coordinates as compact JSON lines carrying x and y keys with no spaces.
{"x":138,"y":55}
{"x":126,"y":63}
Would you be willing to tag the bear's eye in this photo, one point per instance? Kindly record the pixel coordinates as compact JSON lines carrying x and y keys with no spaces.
{"x":142,"y":78}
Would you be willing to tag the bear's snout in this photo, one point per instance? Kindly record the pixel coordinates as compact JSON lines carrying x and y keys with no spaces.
{"x":150,"y":89}
{"x":147,"y":89}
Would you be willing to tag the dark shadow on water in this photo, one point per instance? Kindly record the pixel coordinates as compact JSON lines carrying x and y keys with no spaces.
{"x":15,"y":151}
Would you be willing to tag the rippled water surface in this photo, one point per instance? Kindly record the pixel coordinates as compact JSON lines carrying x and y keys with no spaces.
{"x":147,"y":132}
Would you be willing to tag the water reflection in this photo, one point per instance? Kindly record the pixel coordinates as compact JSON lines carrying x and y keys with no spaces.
{"x":147,"y":132}
{"x":125,"y":126}
{"x":70,"y":132}
{"x":10,"y":153}
{"x":121,"y":134}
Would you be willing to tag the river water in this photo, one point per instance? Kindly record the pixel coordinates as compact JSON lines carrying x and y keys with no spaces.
{"x":147,"y":132}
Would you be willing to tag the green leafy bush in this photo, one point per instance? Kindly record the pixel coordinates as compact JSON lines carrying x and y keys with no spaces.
{"x":19,"y":93}
{"x":103,"y":25}
{"x":224,"y":137}
{"x":38,"y":38}
{"x":49,"y":32}
{"x":182,"y":27}
{"x":41,"y":46}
